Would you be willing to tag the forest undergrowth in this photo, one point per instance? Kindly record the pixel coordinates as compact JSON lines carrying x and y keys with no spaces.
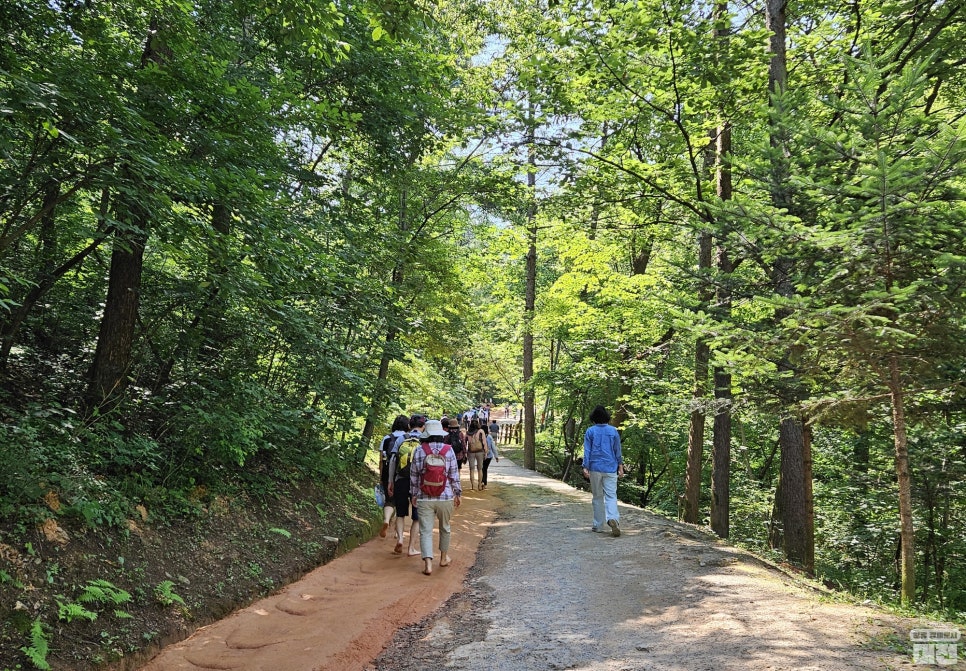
{"x":79,"y":598}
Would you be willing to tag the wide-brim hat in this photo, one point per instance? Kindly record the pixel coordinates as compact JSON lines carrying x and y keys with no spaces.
{"x":433,"y":428}
{"x":454,"y":423}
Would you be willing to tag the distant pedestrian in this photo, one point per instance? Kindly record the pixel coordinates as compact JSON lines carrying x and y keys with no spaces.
{"x":603,"y":464}
{"x":475,"y":453}
{"x":494,"y":430}
{"x":435,"y":486}
{"x":491,"y":454}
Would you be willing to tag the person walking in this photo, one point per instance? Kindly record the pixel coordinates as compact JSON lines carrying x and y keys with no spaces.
{"x":456,"y":437}
{"x":435,"y":487}
{"x":491,"y":454}
{"x":603,"y":464}
{"x":387,"y":448}
{"x":399,"y":469}
{"x":475,"y":453}
{"x":494,"y":430}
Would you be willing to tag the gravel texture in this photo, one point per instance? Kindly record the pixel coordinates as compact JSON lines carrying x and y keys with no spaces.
{"x":546,"y":592}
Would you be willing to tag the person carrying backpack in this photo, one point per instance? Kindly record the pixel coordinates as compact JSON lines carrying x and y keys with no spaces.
{"x":400,"y":467}
{"x":399,"y":486}
{"x":387,"y":447}
{"x":456,"y":438}
{"x":434,"y":483}
{"x":475,"y":453}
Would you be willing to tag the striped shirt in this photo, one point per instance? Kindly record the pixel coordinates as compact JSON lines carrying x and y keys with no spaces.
{"x":452,"y":488}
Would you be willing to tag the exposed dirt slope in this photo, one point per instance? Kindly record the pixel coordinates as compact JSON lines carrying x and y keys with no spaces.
{"x":178,"y":577}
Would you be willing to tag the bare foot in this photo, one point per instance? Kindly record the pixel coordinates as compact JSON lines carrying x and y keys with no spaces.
{"x":384,"y":530}
{"x":428,"y":569}
{"x":398,"y":549}
{"x":413,"y":552}
{"x":445,"y":561}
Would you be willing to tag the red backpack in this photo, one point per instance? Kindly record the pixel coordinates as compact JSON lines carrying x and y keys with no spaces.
{"x":434,"y":471}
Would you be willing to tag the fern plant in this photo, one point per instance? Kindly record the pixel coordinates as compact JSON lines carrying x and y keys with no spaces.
{"x":165,"y":595}
{"x":37,"y":650}
{"x":95,"y":593}
{"x":68,"y":611}
{"x":103,"y":592}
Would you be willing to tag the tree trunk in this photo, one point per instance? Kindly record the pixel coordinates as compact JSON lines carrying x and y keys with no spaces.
{"x":44,"y":278}
{"x":529,"y":421}
{"x":111,"y":366}
{"x":721,"y":443}
{"x":721,"y":455}
{"x":702,"y":354}
{"x":860,"y":455}
{"x":692,"y":482}
{"x":378,"y":396}
{"x":209,"y":315}
{"x":792,"y":502}
{"x":906,"y":530}
{"x":798,"y":543}
{"x":378,"y":401}
{"x":638,"y":267}
{"x":529,"y":396}
{"x":43,"y":284}
{"x":809,"y":499}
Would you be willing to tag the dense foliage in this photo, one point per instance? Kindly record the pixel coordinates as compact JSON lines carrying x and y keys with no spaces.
{"x":757,"y":218}
{"x":237,"y":236}
{"x":204,"y":208}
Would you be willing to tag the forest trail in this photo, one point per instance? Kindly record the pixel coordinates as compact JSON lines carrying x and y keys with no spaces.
{"x":534,"y":589}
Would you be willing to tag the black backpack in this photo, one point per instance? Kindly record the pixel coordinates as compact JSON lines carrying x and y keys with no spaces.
{"x":386,"y":446}
{"x":454,"y":440}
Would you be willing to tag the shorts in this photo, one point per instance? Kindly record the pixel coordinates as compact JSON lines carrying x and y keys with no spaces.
{"x":401,"y":499}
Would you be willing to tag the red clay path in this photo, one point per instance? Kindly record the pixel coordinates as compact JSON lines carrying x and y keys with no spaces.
{"x":341,"y":615}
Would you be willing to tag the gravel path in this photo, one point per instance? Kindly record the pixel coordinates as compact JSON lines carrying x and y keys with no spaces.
{"x":548,"y":593}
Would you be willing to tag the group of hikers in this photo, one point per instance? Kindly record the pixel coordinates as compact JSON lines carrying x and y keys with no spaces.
{"x":420,"y":462}
{"x":419,"y":468}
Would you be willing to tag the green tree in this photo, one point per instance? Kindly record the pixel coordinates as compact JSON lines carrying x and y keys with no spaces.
{"x":889,"y":184}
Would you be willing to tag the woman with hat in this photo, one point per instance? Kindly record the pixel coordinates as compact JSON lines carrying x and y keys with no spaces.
{"x":434,"y":500}
{"x":456,"y":438}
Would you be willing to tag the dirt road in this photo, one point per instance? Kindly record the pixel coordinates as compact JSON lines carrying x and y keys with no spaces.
{"x":542,"y":592}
